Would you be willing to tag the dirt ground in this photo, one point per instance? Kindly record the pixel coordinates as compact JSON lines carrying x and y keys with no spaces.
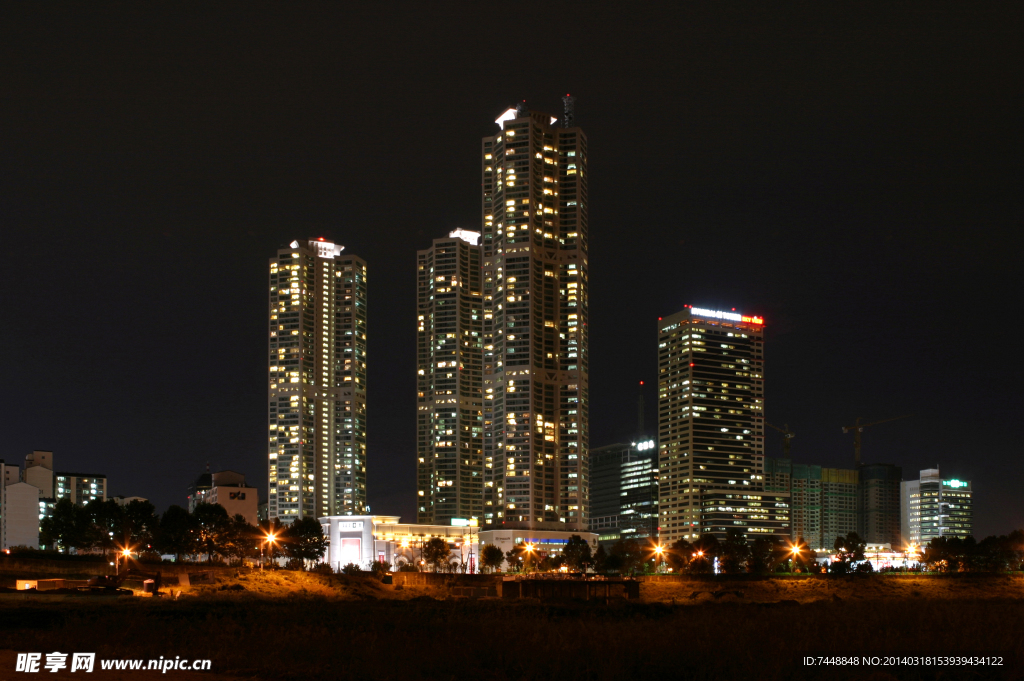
{"x":853,"y":588}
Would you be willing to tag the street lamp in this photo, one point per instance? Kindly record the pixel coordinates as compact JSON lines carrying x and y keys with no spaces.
{"x":658,"y":550}
{"x":270,"y":542}
{"x":529,"y":552}
{"x":123,"y":553}
{"x":794,"y":554}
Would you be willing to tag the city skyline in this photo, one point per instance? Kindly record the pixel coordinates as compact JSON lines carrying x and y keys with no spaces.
{"x":859,"y":220}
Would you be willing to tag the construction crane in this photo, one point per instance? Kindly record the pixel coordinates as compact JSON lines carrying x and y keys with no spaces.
{"x":859,"y":427}
{"x":787,"y":437}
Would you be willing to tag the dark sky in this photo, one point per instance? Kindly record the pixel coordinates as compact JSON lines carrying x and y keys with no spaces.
{"x":854,"y":178}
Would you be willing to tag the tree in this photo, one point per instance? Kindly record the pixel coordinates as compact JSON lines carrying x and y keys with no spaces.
{"x":491,"y":558}
{"x":735,"y":552}
{"x":105,"y":519}
{"x":706,"y":549}
{"x":212,"y":523}
{"x":139,"y":525}
{"x":436,"y":552}
{"x":679,"y":555}
{"x":380,"y":568}
{"x":177,"y":533}
{"x":600,"y":559}
{"x":240,"y":539}
{"x":514,"y":556}
{"x":304,"y":539}
{"x":630,"y":555}
{"x":764,"y":553}
{"x":849,"y":549}
{"x":66,"y":527}
{"x":577,"y":553}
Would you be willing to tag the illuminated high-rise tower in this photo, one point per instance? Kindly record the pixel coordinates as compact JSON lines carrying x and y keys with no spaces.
{"x":711,"y":428}
{"x":535,"y":297}
{"x":317,"y":386}
{"x":449,"y":402}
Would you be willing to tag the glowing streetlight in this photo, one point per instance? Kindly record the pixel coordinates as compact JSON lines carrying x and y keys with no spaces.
{"x":270,"y":538}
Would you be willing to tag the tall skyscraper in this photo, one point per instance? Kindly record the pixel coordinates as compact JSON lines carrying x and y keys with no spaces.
{"x":711,"y":427}
{"x":449,"y":395}
{"x":624,"y":490}
{"x":839,"y":503}
{"x":878,"y":505}
{"x":933,"y":507}
{"x":803,"y":484}
{"x":317,"y":382}
{"x":535,"y":298}
{"x":823,"y":501}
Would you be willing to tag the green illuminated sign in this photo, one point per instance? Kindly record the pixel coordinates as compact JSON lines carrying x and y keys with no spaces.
{"x":955,"y":483}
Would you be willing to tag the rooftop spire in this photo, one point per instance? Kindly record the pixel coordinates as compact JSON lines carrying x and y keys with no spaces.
{"x":569,"y":108}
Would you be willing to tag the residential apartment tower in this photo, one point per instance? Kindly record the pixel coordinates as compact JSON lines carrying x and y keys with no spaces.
{"x":317,"y":382}
{"x":449,"y":379}
{"x":535,"y":336}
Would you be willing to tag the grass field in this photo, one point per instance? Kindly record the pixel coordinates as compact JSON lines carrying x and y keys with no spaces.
{"x":297,"y":626}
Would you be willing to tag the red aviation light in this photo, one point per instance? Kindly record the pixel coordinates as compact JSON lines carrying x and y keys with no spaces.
{"x":691,"y":363}
{"x":641,"y":382}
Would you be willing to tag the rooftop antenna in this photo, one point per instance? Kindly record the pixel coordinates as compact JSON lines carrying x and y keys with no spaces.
{"x":640,"y":411}
{"x":569,"y":108}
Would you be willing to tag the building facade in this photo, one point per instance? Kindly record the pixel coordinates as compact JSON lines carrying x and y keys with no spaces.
{"x":19,"y":516}
{"x":933,"y":507}
{"x":624,"y":490}
{"x":878,"y":505}
{"x":364,"y":539}
{"x":80,"y":488}
{"x":228,"y":489}
{"x":824,"y":501}
{"x":38,"y":472}
{"x":840,"y":503}
{"x":710,"y":419}
{"x":317,"y":382}
{"x":545,"y":543}
{"x":535,"y":335}
{"x":449,"y":381}
{"x":803,"y":484}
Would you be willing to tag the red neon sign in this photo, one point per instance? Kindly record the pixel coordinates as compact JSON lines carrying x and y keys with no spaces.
{"x":754,"y":320}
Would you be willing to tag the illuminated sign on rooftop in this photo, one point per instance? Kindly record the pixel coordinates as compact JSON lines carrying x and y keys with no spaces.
{"x":466,"y":235}
{"x":731,"y":316}
{"x":509,"y":115}
{"x":955,"y":483}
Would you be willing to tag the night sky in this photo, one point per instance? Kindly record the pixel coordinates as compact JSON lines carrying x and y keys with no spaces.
{"x":854,"y":178}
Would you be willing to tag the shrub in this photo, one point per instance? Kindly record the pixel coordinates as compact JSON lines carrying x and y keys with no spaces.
{"x":407,"y":567}
{"x":380,"y":568}
{"x":352,"y":569}
{"x":294,"y":564}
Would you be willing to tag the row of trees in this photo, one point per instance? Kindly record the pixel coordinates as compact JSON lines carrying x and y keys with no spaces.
{"x":991,"y":554}
{"x":208,"y":531}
